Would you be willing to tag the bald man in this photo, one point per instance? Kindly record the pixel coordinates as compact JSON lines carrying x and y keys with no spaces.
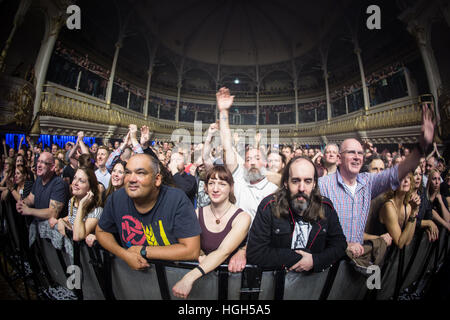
{"x":49,"y":195}
{"x":351,"y":191}
{"x":153,"y":221}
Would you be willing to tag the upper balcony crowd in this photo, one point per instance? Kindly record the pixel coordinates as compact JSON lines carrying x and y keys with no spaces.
{"x":74,"y":70}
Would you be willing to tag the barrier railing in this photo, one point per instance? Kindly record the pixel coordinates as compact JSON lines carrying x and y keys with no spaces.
{"x":104,"y":276}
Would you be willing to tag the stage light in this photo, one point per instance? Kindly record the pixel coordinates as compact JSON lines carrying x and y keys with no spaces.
{"x":236,"y":81}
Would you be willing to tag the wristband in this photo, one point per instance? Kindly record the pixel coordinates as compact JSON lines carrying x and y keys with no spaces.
{"x":412,"y":218}
{"x":201,"y":270}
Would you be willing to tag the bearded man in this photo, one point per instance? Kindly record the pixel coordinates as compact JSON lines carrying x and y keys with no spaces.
{"x":296,"y":228}
{"x":250,"y":182}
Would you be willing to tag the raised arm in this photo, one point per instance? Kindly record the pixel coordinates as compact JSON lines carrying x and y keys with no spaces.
{"x":83,"y":147}
{"x":425,"y":139}
{"x":224,"y":102}
{"x":20,"y":143}
{"x":206,"y":153}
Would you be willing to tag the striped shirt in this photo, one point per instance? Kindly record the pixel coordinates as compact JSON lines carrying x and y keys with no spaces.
{"x":353,"y":210}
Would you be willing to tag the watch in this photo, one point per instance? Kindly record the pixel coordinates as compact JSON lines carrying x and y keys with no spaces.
{"x":144,"y":252}
{"x":412,"y":218}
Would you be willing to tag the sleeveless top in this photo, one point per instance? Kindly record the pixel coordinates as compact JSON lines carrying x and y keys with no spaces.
{"x":210,"y":241}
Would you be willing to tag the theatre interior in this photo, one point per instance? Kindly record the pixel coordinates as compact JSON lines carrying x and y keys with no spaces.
{"x":302,"y":72}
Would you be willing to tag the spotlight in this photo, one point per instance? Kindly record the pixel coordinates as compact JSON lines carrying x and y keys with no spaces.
{"x":236,"y":81}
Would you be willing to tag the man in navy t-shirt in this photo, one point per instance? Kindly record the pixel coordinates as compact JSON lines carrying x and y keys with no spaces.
{"x":49,"y":194}
{"x":153,"y":221}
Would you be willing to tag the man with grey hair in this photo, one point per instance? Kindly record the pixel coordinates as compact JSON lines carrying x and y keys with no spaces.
{"x":251,"y":185}
{"x":351,"y":191}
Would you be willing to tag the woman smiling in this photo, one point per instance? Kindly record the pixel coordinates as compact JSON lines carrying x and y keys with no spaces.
{"x":85,"y":207}
{"x":224,"y":228}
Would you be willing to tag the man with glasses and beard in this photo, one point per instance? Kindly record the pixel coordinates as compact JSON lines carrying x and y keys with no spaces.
{"x":296,"y":228}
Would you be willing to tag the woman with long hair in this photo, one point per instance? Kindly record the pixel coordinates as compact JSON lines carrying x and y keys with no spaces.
{"x":224,"y":228}
{"x":7,"y":178}
{"x":439,"y":204}
{"x":399,"y":212}
{"x":85,"y":206}
{"x":424,"y":216}
{"x":117,"y":178}
{"x":20,"y":187}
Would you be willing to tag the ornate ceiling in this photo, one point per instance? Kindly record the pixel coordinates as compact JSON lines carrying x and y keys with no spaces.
{"x":208,"y":43}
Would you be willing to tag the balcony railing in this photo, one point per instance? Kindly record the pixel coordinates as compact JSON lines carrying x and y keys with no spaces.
{"x":66,"y":103}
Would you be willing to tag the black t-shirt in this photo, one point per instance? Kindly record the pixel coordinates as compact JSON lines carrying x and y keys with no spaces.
{"x":444,"y":189}
{"x":173,"y":217}
{"x":56,"y":189}
{"x":68,"y":172}
{"x":187,"y":183}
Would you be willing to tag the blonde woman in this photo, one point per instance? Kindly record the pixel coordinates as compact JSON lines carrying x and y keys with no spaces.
{"x":399,"y":212}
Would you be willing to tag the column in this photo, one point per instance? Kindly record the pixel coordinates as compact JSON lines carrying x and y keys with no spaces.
{"x":78,"y":81}
{"x":346,"y":104}
{"x":179,"y":85}
{"x":258,"y":84}
{"x":128,"y":99}
{"x":113,"y":71}
{"x":296,"y":102}
{"x":147,"y":93}
{"x":53,"y":27}
{"x":429,"y":61}
{"x":18,"y":19}
{"x":327,"y":90}
{"x":363,"y":79}
{"x":257,"y":105}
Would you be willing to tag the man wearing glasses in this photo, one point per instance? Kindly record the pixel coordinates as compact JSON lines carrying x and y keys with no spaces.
{"x":49,"y":194}
{"x":351,"y":191}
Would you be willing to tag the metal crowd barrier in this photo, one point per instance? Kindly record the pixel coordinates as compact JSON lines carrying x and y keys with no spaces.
{"x":105,"y":276}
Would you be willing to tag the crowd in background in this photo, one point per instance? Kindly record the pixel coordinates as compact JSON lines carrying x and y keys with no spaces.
{"x":227,"y":179}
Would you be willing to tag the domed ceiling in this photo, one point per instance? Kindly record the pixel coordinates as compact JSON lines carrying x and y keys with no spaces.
{"x":209,"y":43}
{"x":242,"y":32}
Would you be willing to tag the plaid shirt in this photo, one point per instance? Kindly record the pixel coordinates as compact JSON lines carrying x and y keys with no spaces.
{"x":353,"y":210}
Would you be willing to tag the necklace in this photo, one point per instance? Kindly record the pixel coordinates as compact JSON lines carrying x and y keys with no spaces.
{"x":218,"y":219}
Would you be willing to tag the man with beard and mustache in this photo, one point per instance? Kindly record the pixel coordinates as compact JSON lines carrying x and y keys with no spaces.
{"x":296,"y":228}
{"x":250,"y":182}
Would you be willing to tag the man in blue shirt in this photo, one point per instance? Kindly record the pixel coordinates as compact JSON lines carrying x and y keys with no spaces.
{"x":49,"y":194}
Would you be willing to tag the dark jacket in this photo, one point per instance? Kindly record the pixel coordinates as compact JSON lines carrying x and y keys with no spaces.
{"x":269,"y":243}
{"x":187,"y":183}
